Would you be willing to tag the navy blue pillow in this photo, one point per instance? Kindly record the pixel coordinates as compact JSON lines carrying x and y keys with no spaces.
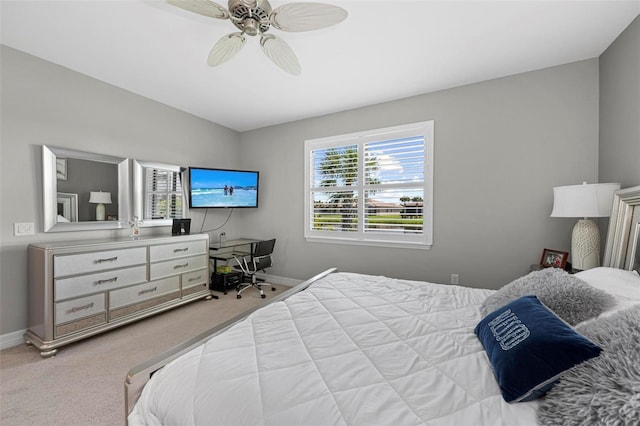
{"x":530,"y":348}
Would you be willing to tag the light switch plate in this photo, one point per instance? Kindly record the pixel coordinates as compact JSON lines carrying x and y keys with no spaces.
{"x":21,"y":229}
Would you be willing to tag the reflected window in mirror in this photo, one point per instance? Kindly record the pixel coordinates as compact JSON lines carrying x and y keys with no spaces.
{"x":162,"y":194}
{"x":158,"y":193}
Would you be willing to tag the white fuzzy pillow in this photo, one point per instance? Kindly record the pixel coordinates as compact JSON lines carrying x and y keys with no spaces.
{"x":569,"y":297}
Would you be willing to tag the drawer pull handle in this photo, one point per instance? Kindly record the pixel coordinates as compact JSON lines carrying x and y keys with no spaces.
{"x":110,"y":280}
{"x":80,"y":308}
{"x":111,"y":259}
{"x":199,"y":277}
{"x":151,"y":290}
{"x":181,"y":266}
{"x":182,"y":249}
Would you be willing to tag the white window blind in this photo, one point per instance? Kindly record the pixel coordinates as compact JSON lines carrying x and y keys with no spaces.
{"x":163,"y":194}
{"x":372,"y":187}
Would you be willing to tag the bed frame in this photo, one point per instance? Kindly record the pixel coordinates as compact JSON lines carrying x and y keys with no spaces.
{"x":138,"y":376}
{"x":622,"y":251}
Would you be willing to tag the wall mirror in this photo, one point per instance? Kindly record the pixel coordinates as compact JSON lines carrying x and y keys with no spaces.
{"x":158,"y":193}
{"x":84,"y":191}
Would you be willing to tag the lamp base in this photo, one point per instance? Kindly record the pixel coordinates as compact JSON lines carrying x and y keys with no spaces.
{"x":585,"y":245}
{"x":100,"y":212}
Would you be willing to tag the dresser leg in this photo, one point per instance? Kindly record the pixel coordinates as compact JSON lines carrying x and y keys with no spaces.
{"x":49,"y":353}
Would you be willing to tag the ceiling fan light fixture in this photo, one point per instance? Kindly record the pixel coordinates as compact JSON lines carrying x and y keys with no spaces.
{"x":251,"y":26}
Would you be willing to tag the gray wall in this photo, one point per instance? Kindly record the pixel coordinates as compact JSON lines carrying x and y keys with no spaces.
{"x":500,"y":148}
{"x":43,"y":103}
{"x":620,"y":109}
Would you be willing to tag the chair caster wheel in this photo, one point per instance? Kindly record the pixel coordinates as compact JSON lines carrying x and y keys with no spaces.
{"x":273,"y":289}
{"x":263,"y":296}
{"x":238,"y":297}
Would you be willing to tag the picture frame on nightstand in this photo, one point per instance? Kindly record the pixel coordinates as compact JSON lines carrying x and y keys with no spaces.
{"x":554,"y":258}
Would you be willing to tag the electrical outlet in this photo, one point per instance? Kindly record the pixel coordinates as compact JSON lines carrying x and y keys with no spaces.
{"x":455,"y":278}
{"x":21,"y":229}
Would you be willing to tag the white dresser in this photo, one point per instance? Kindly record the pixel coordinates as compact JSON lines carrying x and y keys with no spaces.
{"x":82,"y":288}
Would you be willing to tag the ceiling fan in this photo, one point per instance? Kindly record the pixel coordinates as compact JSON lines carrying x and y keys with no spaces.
{"x":253,"y":17}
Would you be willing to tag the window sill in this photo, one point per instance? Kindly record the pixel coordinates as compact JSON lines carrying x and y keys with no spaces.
{"x":370,"y":243}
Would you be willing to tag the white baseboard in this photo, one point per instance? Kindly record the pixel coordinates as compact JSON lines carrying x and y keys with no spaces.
{"x":289,"y":282}
{"x":11,"y":339}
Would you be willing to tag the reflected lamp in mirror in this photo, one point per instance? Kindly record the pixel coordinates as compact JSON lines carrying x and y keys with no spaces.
{"x":100,"y":198}
{"x":584,"y":201}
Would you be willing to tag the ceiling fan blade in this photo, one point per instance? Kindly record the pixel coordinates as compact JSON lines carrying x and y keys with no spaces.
{"x":296,"y":17}
{"x":280,"y":53}
{"x":226,"y":48}
{"x":202,"y":7}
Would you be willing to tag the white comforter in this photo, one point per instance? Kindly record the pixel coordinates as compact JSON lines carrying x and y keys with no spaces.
{"x":351,"y":350}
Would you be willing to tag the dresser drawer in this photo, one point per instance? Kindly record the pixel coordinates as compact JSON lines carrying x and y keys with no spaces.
{"x":137,"y":293}
{"x":79,"y":308}
{"x":98,"y":261}
{"x":66,"y":288}
{"x":173,"y":250}
{"x":195,"y":278}
{"x":177,"y":266}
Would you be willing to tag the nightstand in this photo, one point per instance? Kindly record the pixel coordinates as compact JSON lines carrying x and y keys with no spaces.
{"x":536,"y":267}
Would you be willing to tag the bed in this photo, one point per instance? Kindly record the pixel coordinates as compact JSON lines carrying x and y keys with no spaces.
{"x":354,"y":349}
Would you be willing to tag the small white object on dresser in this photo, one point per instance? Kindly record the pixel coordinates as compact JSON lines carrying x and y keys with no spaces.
{"x":82,"y":288}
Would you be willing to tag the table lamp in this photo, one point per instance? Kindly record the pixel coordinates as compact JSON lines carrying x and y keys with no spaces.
{"x":100,"y":198}
{"x":585,"y":201}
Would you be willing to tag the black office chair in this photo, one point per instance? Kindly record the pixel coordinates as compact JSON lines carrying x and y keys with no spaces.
{"x":257,"y":261}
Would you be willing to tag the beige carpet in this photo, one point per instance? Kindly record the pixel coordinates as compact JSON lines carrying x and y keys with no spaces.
{"x":84,"y":383}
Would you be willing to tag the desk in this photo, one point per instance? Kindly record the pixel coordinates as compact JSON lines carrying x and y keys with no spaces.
{"x":226,"y":250}
{"x":232,"y":244}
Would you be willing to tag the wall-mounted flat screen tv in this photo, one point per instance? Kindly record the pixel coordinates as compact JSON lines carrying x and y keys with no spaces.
{"x":222,"y":188}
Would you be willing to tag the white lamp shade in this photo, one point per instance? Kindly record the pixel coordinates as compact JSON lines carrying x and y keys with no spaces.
{"x":586,"y":200}
{"x":100,"y":197}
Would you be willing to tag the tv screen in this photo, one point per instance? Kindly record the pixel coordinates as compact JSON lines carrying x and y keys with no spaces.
{"x":221,"y":188}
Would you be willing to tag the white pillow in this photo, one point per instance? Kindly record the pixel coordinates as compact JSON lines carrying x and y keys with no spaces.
{"x":619,"y":282}
{"x":622,"y":284}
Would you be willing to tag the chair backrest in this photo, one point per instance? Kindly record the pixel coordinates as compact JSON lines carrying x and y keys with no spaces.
{"x":262,"y":254}
{"x":264,"y":248}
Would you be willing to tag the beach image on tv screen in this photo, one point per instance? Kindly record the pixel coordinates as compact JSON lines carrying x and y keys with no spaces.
{"x":223,"y":188}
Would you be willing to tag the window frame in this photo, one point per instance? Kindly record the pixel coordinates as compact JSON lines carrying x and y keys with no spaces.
{"x":369,"y":238}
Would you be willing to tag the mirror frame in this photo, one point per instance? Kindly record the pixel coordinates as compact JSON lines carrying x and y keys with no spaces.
{"x":50,"y":190}
{"x":138,"y":191}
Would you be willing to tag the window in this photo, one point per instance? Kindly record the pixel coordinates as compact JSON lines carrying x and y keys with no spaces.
{"x":158,"y":195}
{"x":371,"y":188}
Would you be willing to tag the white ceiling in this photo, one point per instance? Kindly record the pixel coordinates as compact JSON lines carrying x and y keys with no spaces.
{"x":384,"y":50}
